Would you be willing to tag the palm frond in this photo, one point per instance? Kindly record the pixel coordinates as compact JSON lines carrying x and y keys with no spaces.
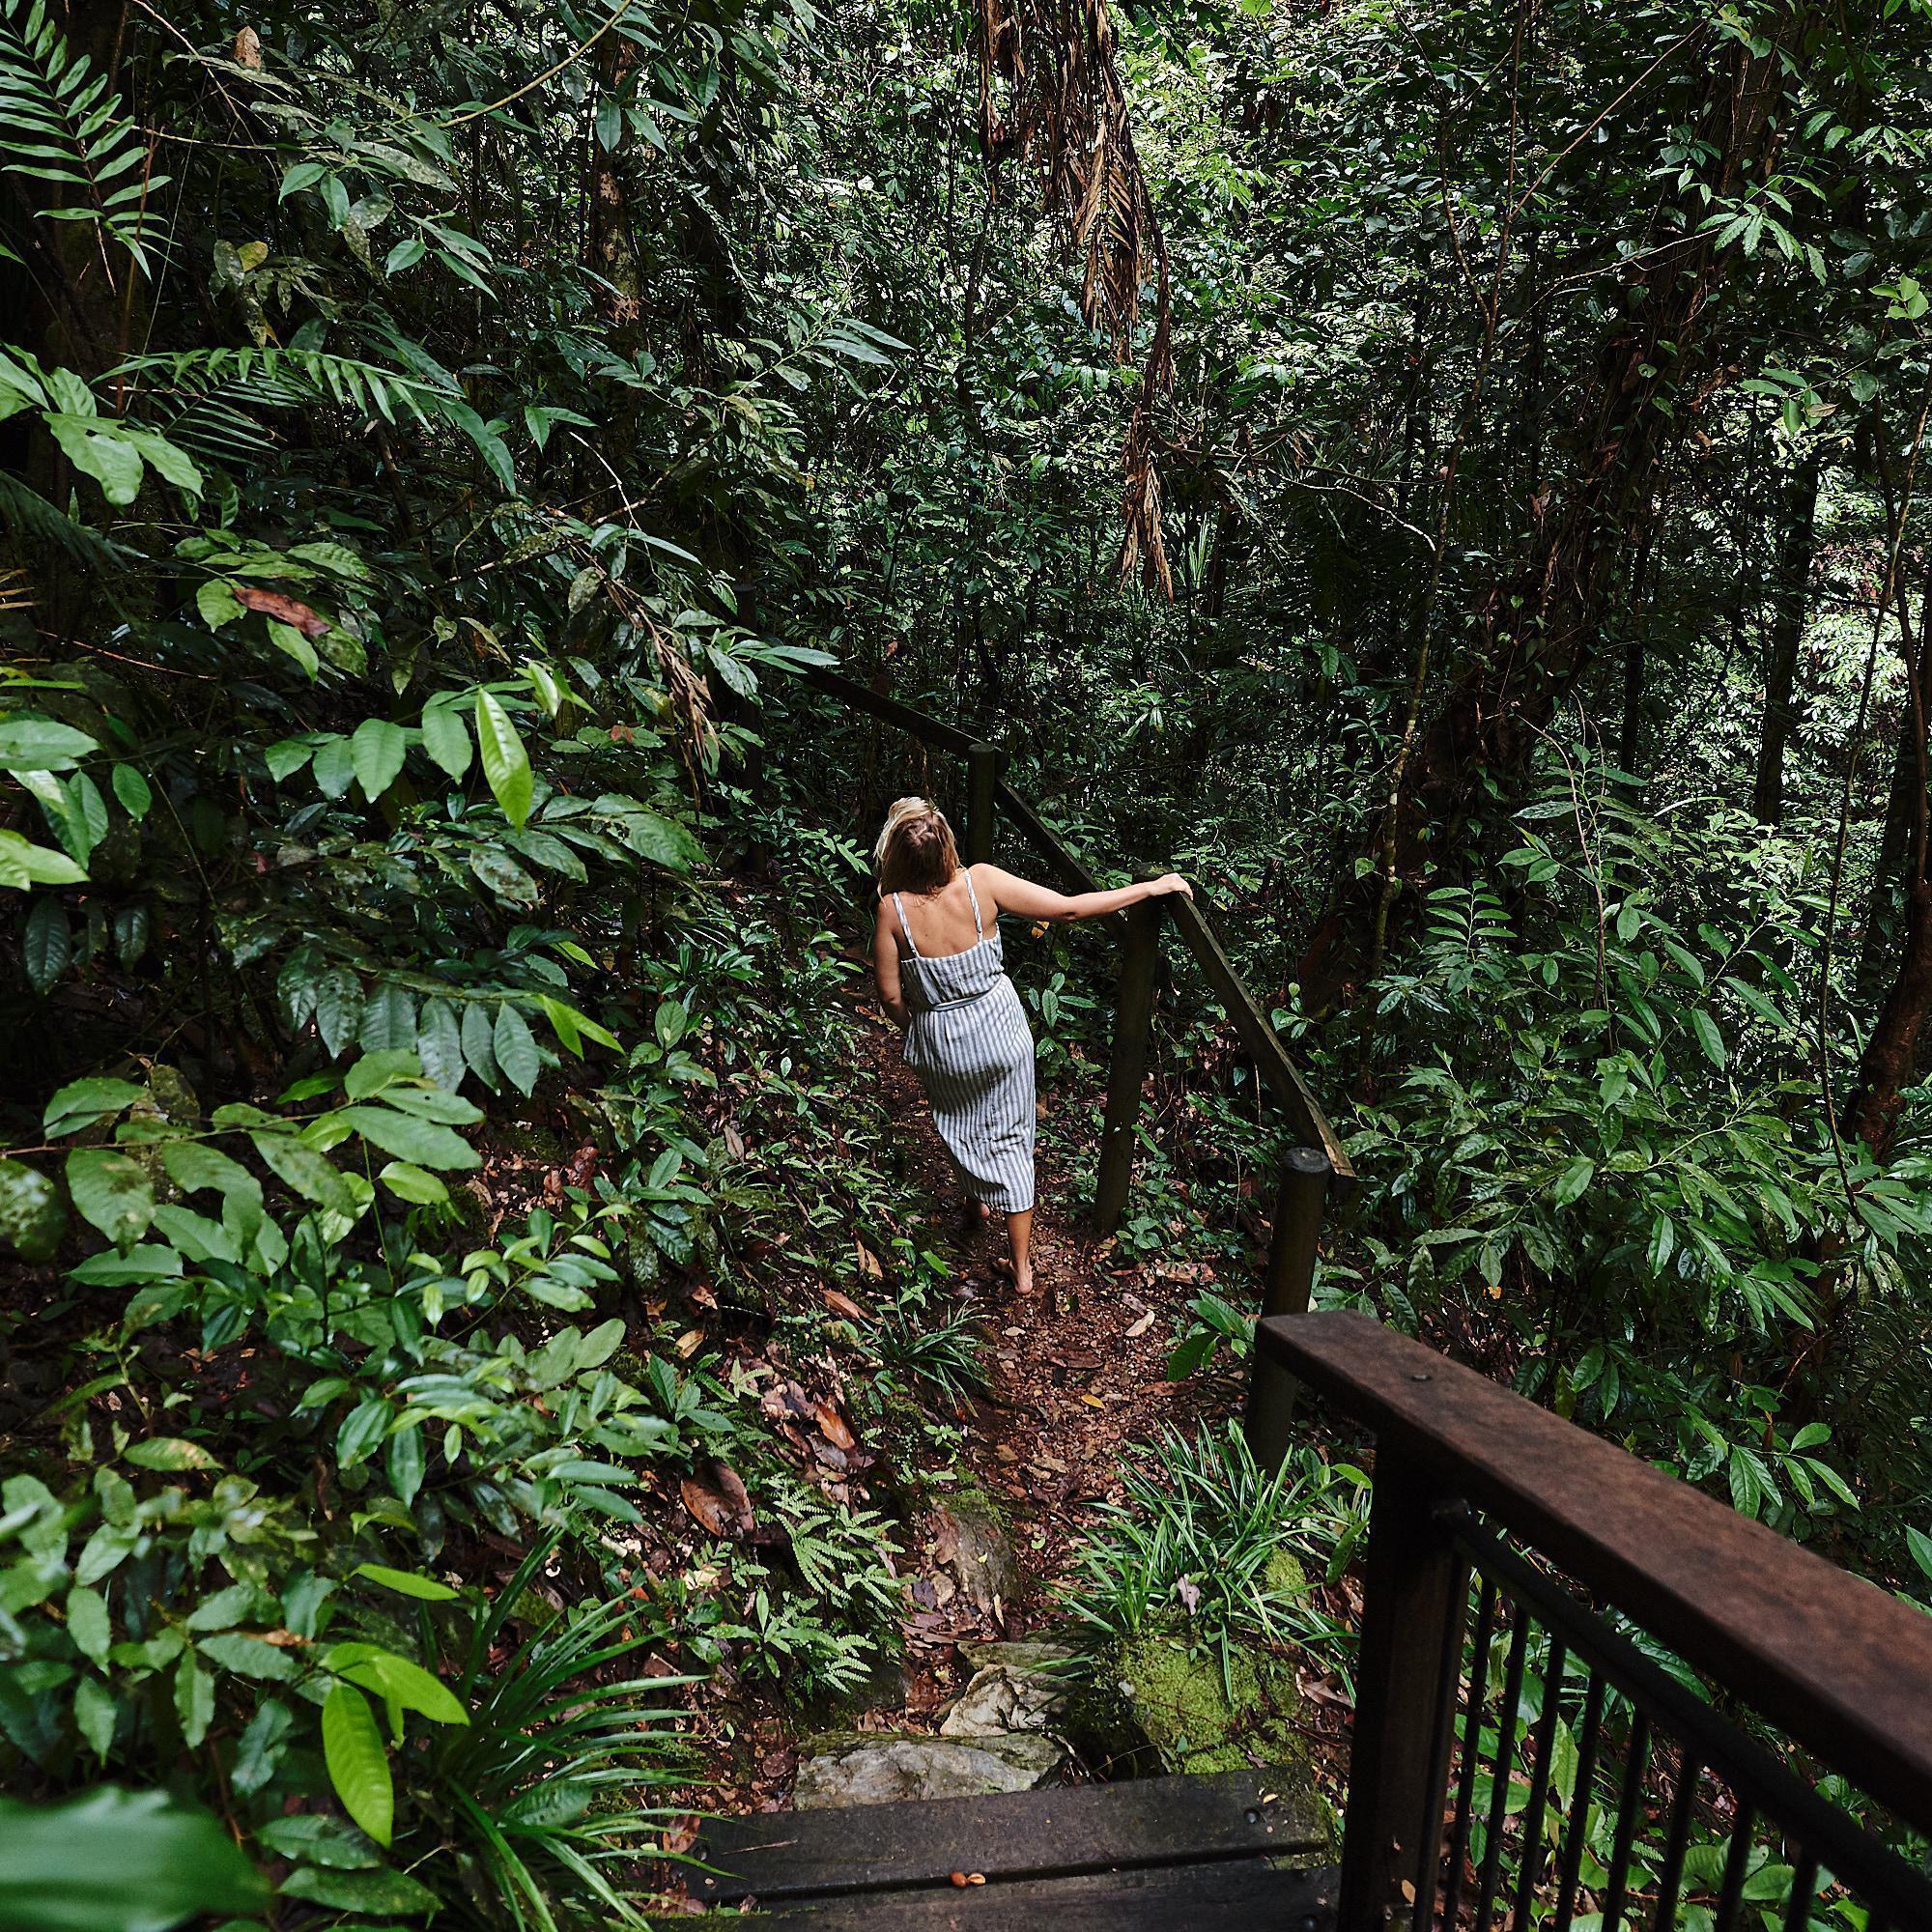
{"x":66,"y":129}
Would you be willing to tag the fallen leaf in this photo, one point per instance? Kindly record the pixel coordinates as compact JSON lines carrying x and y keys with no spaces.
{"x":717,"y":1499}
{"x":1140,"y":1327}
{"x":688,"y":1342}
{"x":1189,"y":1593}
{"x":832,"y":1426}
{"x":309,"y":622}
{"x":843,"y":1304}
{"x":868,"y":1262}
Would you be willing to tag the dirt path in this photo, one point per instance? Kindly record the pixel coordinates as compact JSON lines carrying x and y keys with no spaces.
{"x":1077,"y":1380}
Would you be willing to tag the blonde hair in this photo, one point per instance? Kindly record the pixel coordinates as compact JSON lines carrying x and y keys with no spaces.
{"x":915,"y":852}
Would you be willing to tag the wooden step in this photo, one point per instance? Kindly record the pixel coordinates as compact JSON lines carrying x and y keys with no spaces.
{"x":1224,"y":1895}
{"x":1060,"y":1832}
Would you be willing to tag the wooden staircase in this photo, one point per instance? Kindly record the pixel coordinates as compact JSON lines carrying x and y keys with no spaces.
{"x":1234,"y":1850}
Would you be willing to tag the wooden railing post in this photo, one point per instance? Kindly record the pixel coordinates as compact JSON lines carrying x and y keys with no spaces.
{"x":1126,"y":1070}
{"x":1298,"y":1204}
{"x":1413,"y":1596}
{"x":983,"y":800}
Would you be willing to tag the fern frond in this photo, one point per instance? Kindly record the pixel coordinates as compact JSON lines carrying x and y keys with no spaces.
{"x":61,"y":127}
{"x":275,"y":378}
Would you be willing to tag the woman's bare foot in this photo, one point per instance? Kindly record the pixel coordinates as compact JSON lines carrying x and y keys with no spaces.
{"x":977,"y":1213}
{"x":1023,"y":1283}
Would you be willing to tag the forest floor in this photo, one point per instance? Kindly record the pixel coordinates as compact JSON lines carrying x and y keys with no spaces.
{"x":1077,"y":1381}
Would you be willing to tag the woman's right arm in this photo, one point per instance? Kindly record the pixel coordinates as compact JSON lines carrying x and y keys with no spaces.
{"x":1025,"y":900}
{"x":886,"y":966}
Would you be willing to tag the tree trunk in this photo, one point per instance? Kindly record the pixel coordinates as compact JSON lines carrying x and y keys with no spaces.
{"x":609,"y":248}
{"x":1797,"y":545}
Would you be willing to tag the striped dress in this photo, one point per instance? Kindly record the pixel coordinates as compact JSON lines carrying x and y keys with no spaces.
{"x":969,"y":1044}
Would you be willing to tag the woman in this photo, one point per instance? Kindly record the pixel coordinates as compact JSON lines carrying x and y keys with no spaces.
{"x":943,"y":981}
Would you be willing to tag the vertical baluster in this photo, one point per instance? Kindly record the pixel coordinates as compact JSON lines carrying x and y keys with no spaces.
{"x":1126,"y":1069}
{"x":1630,"y":1807}
{"x":1737,"y":1867}
{"x":1505,"y":1763}
{"x":1804,"y":1888}
{"x":1436,"y":1781}
{"x":1409,"y":1587}
{"x":1539,"y":1782}
{"x":1577,"y":1830}
{"x":1670,"y":1880}
{"x":1472,"y":1737}
{"x":983,"y":802}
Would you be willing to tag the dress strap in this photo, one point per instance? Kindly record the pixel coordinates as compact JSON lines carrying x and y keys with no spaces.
{"x":979,"y":929}
{"x":898,"y":905}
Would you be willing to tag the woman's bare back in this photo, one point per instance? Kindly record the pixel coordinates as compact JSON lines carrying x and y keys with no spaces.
{"x":942,"y":922}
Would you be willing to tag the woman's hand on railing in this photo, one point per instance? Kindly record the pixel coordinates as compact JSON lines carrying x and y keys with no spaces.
{"x":1169,"y":882}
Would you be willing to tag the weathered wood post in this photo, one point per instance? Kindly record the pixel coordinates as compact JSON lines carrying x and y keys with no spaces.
{"x":1298,"y":1204}
{"x":983,"y":789}
{"x":1126,"y":1069}
{"x":1414,"y":1593}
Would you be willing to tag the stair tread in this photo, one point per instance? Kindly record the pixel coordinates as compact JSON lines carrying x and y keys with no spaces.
{"x":1244,"y":1894}
{"x":1057,"y":1832}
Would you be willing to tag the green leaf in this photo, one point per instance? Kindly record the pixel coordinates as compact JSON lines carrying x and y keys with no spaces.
{"x":439,"y":1044}
{"x":388,"y":1025}
{"x":359,"y":1768}
{"x":305,"y":1171}
{"x":405,"y":1464}
{"x":97,"y":1715}
{"x":47,"y":943}
{"x":445,"y":738}
{"x":40,"y":745}
{"x":364,"y":1891}
{"x":116,"y":1860}
{"x":395,"y":1679}
{"x":133,"y":791}
{"x":310,"y":1839}
{"x":409,"y":1138}
{"x":1573,"y":1180}
{"x":113,"y":1192}
{"x":102,"y":450}
{"x":168,"y":1452}
{"x":506,"y":764}
{"x":406,"y":1584}
{"x":260,"y":1751}
{"x":88,"y":1624}
{"x":286,"y":758}
{"x":338,"y":1008}
{"x":377,"y":751}
{"x":83,"y":1103}
{"x":24,"y":864}
{"x":194,"y":1700}
{"x":504,"y":876}
{"x":216,"y":604}
{"x":1921,"y":1547}
{"x":478,"y":1044}
{"x":1708,"y":1036}
{"x":413,"y":1184}
{"x":250,"y":1657}
{"x":31,"y":1214}
{"x":661,"y":841}
{"x":334,"y":767}
{"x":515,"y":1048}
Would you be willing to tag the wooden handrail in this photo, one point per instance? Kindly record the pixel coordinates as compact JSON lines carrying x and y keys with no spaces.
{"x":1830,"y":1660}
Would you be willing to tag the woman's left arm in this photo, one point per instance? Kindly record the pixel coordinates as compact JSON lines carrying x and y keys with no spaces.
{"x":886,"y":969}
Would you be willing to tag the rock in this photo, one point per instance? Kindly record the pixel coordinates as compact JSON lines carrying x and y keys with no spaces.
{"x":965,"y":1533}
{"x":880,"y":1768}
{"x":1017,"y":1687}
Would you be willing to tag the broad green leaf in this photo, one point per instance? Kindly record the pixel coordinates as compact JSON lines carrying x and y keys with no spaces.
{"x":358,"y":1767}
{"x":31,"y":1214}
{"x":504,"y":876}
{"x":194,"y":1700}
{"x":338,"y":1008}
{"x":362,"y":1891}
{"x":406,"y":1582}
{"x":82,"y":1102}
{"x":479,"y":1043}
{"x":23,"y":865}
{"x":111,"y":1190}
{"x":334,"y":767}
{"x":405,"y":1464}
{"x":445,"y":738}
{"x":97,"y":1716}
{"x":305,"y":1171}
{"x":515,"y":1048}
{"x":114,"y":1860}
{"x":1573,"y":1180}
{"x":172,"y":1453}
{"x":396,"y":1679}
{"x":133,"y":791}
{"x":439,"y":1044}
{"x":42,"y":744}
{"x":506,"y":764}
{"x":388,"y":1024}
{"x":413,"y":1184}
{"x":377,"y":751}
{"x":1708,"y":1036}
{"x":88,"y":1624}
{"x":311,"y":1838}
{"x":47,"y":943}
{"x":409,"y":1138}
